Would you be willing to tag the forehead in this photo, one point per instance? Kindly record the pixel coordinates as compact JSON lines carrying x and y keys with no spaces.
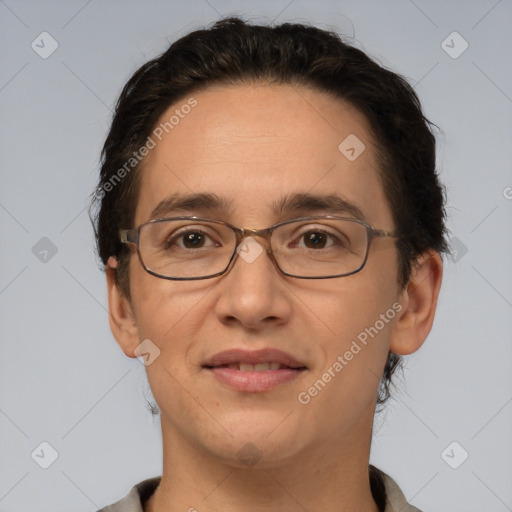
{"x":253,"y":145}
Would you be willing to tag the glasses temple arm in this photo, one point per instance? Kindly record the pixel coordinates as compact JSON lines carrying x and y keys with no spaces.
{"x":128,"y":236}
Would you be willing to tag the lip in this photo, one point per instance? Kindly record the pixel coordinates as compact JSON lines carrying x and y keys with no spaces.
{"x":253,"y":357}
{"x":254,"y":381}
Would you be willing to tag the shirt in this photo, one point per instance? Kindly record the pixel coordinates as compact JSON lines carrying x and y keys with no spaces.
{"x":134,"y":502}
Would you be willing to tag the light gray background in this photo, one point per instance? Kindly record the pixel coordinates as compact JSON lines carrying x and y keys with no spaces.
{"x":63,"y":378}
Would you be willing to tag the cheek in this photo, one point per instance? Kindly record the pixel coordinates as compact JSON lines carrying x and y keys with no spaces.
{"x":154,"y":305}
{"x":358,"y":315}
{"x":345,"y":382}
{"x":350,"y":304}
{"x":169,"y":313}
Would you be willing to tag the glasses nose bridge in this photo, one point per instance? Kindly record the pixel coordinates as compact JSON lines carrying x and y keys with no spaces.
{"x":261,"y":233}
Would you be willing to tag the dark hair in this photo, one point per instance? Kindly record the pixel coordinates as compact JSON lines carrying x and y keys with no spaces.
{"x":234,"y":52}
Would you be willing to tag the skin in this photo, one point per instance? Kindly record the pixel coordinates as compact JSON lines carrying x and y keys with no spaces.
{"x":252,"y":145}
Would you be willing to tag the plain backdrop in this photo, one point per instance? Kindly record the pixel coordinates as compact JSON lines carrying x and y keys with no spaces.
{"x":63,"y":379}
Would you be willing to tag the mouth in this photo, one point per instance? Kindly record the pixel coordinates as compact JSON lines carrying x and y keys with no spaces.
{"x":254,"y":371}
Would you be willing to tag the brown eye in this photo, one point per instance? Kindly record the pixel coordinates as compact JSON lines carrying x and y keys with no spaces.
{"x":190,"y":239}
{"x":193,"y":240}
{"x":315,"y":240}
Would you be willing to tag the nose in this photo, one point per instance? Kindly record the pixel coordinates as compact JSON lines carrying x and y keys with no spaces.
{"x":253,"y":293}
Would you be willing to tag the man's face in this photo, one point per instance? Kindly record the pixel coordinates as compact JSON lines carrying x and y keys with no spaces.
{"x":255,"y":148}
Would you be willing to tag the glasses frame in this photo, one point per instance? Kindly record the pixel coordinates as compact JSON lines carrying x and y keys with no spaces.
{"x":132,"y":236}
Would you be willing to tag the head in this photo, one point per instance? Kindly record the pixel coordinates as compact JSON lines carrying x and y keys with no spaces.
{"x":253,"y":116}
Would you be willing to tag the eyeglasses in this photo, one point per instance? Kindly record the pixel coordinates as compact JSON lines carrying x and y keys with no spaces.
{"x":191,"y":248}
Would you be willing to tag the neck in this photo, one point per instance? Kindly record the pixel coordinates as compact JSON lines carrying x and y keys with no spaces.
{"x":324,"y":477}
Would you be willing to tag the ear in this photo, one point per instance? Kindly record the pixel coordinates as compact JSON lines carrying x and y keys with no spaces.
{"x":419,"y":302}
{"x":120,"y":312}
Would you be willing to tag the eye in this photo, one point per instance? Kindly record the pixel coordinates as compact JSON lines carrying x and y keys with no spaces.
{"x":315,"y":240}
{"x":193,"y":240}
{"x":190,"y":239}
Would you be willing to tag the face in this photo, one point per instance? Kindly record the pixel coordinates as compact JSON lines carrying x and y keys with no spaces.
{"x":255,"y":148}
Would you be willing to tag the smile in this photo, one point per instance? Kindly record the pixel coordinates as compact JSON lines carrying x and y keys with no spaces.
{"x":254,"y":371}
{"x":259,"y":367}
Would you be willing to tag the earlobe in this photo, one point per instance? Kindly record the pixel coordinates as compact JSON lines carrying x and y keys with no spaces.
{"x":120,"y":312}
{"x":419,"y":302}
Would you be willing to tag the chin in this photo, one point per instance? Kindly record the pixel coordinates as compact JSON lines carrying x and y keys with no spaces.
{"x":259,"y":440}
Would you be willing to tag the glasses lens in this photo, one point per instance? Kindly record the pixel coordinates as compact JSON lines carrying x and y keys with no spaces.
{"x":186,"y":248}
{"x":320,"y":247}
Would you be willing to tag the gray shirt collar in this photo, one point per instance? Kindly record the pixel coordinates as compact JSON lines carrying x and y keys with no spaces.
{"x":133,"y":502}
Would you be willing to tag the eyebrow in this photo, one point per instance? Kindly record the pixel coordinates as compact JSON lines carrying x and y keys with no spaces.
{"x":310,"y":203}
{"x":291,"y":204}
{"x":180,"y":202}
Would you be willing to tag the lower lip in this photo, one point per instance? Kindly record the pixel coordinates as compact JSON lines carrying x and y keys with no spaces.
{"x":254,"y":381}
